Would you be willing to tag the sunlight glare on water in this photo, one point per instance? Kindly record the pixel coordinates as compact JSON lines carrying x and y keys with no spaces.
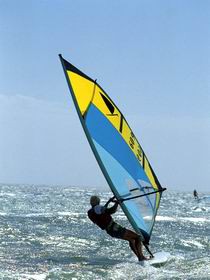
{"x":45,"y":234}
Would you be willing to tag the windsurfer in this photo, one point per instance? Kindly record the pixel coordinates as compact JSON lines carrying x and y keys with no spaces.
{"x":101,"y":216}
{"x":195,"y":194}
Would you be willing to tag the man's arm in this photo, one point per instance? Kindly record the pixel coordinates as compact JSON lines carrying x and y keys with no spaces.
{"x":112,"y":209}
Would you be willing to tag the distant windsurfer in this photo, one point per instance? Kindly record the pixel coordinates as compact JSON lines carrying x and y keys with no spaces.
{"x":101,"y":216}
{"x":195,"y":194}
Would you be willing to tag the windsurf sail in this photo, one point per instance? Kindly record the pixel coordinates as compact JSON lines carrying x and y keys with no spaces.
{"x":117,"y":151}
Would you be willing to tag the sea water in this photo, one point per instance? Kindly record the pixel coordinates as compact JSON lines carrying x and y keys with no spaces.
{"x":45,"y":234}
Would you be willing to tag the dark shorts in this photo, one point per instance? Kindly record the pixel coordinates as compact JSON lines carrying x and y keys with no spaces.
{"x":116,"y":230}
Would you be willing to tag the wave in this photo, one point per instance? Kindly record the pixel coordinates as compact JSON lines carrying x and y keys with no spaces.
{"x":165,"y":218}
{"x":7,"y":194}
{"x":194,"y":220}
{"x":175,"y":219}
{"x":191,"y":243}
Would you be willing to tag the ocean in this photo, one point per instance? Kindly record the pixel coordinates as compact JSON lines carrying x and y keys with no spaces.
{"x":45,"y":234}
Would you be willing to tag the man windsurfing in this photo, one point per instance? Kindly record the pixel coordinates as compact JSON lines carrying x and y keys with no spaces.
{"x":101,"y":216}
{"x":195,"y":194}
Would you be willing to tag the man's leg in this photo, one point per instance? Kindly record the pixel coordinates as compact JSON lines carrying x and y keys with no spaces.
{"x":135,"y":243}
{"x":133,"y":247}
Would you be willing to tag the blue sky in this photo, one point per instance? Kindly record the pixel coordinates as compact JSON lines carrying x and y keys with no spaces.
{"x":152,"y":57}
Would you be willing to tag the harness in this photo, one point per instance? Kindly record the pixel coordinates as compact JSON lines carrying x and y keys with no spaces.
{"x":103,"y":220}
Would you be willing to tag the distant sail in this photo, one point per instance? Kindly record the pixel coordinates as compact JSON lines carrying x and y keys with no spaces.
{"x":119,"y":155}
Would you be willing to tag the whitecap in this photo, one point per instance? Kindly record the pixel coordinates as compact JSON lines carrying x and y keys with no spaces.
{"x":165,"y":218}
{"x":71,"y":214}
{"x":41,"y":276}
{"x":3,"y":214}
{"x":40,"y":214}
{"x":130,"y":270}
{"x":190,"y":243}
{"x":7,"y":194}
{"x":63,"y":213}
{"x":194,"y":220}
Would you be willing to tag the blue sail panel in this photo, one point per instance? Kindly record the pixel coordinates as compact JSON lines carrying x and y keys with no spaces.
{"x":123,"y":169}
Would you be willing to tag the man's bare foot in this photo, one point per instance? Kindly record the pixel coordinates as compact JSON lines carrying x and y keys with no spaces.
{"x":143,"y":258}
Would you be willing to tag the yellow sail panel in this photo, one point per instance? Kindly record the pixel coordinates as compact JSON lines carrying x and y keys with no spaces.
{"x":149,"y":173}
{"x":132,"y":141}
{"x":157,"y":200}
{"x":83,"y":90}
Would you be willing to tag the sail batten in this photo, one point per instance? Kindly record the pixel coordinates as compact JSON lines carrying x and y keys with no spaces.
{"x":117,"y":150}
